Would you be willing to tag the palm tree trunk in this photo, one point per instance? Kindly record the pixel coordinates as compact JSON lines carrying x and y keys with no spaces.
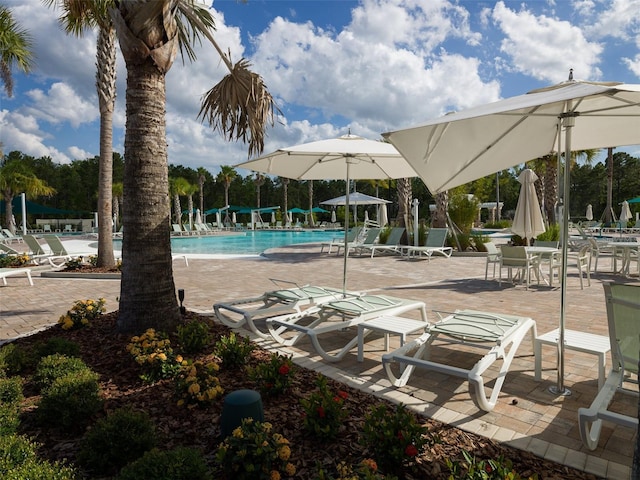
{"x":551,"y":187}
{"x":440,"y":214}
{"x":608,"y":217}
{"x":147,"y":292}
{"x":404,"y":202}
{"x":311,"y":220}
{"x":106,"y":85}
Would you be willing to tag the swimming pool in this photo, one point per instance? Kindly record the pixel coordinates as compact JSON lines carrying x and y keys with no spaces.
{"x":245,"y":243}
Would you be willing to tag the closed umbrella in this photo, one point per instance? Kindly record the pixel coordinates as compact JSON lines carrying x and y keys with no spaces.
{"x":589,"y":213}
{"x":366,"y":216}
{"x":233,"y":218}
{"x":333,"y":216}
{"x":273,"y":217}
{"x":528,"y":221}
{"x":383,"y":218}
{"x":198,"y":219}
{"x":346,"y":157}
{"x":625,"y":213}
{"x":571,"y":116}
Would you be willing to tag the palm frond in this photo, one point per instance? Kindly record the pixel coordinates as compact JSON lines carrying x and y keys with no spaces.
{"x":240,"y":107}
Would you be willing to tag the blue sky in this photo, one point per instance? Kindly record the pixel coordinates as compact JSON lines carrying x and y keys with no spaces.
{"x":369,"y":66}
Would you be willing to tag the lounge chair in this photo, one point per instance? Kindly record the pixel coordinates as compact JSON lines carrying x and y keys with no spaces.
{"x":391,"y":245}
{"x":8,"y":237}
{"x":623,"y":310}
{"x":436,"y":239}
{"x":359,"y":246}
{"x":352,"y":236}
{"x":237,"y":313}
{"x":337,"y":316}
{"x":40,"y":256}
{"x":9,"y":250}
{"x":499,"y":333}
{"x":9,"y":272}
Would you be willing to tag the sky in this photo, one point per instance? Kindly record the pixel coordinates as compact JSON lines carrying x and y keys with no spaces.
{"x":333,"y":66}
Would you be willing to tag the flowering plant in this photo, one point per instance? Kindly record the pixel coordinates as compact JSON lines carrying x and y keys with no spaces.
{"x":367,"y":469}
{"x":393,"y":438}
{"x":152,"y":351}
{"x":253,"y":452}
{"x":14,"y":260}
{"x":197,"y":384}
{"x":472,"y":468}
{"x":275,"y":376}
{"x":324,"y":411}
{"x":81,"y":314}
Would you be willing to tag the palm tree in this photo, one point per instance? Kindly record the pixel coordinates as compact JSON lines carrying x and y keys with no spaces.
{"x":311,"y":219}
{"x":201,"y":179}
{"x":15,"y":49}
{"x":258,"y":181}
{"x":150,"y":33}
{"x":116,"y":193}
{"x":78,"y":16}
{"x":191,"y":189}
{"x":608,"y":216}
{"x":440,"y":213}
{"x":285,"y":193}
{"x":226,"y":176}
{"x":16,"y":178}
{"x":178,"y":187}
{"x":405,"y":193}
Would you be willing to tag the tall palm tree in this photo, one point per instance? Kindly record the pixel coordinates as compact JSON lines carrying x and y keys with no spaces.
{"x":151,"y":32}
{"x":178,"y":187}
{"x":15,"y":49}
{"x":17,"y":178}
{"x":311,"y":219}
{"x":226,"y":176}
{"x":405,"y":193}
{"x":77,"y":17}
{"x":285,"y":193}
{"x":608,"y":216}
{"x":440,"y":213}
{"x":116,"y":193}
{"x":258,"y":181}
{"x":201,"y":179}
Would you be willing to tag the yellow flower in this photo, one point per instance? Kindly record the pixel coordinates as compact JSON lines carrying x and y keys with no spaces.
{"x":180,"y":402}
{"x":237,"y":433}
{"x":179,"y":359}
{"x":275,"y":475}
{"x":284,"y":452}
{"x":89,"y":308}
{"x":162,"y":357}
{"x":194,"y":388}
{"x":290,"y":469}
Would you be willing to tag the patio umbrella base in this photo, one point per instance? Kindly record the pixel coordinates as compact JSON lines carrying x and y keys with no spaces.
{"x":556,"y":391}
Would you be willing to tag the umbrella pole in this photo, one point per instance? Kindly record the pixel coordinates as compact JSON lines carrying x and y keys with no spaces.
{"x":346,"y":232}
{"x":559,"y":388}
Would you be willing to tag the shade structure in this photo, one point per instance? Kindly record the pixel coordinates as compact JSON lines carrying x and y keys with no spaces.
{"x":634,"y":200}
{"x":589,"y":214}
{"x":625,"y":212}
{"x":470,"y":144}
{"x":347,"y":157}
{"x":356,"y":198}
{"x":528,"y":221}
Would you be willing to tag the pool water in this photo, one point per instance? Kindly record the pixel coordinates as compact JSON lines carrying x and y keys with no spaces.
{"x":246,"y":243}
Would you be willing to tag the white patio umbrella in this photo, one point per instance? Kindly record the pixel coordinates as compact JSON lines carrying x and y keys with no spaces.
{"x":273,"y":217}
{"x":198,"y":219}
{"x":346,"y":157}
{"x":527,"y":221}
{"x":589,"y":214}
{"x":366,"y":216}
{"x":383,"y":217}
{"x":625,"y":213}
{"x":333,"y":216}
{"x":234,"y":219}
{"x":470,"y":144}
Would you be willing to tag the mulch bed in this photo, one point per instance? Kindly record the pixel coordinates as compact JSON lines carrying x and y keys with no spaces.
{"x":104,"y":350}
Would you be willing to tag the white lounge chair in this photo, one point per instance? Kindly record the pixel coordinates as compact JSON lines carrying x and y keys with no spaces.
{"x":623,"y":311}
{"x":10,"y":272}
{"x":500,"y":334}
{"x":352,"y":236}
{"x":247,"y":311}
{"x":8,"y":237}
{"x":391,"y":245}
{"x":39,"y":255}
{"x":337,"y":316}
{"x":359,"y":246}
{"x":436,"y":239}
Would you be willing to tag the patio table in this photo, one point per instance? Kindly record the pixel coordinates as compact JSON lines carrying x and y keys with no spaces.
{"x":544,"y":255}
{"x":626,"y":248}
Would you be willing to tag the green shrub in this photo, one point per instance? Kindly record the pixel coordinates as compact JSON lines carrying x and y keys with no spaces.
{"x":498,"y":225}
{"x":14,"y":451}
{"x":193,"y":336}
{"x":234,"y":350}
{"x":463,"y":211}
{"x":55,"y":366}
{"x":152,"y":351}
{"x":179,"y":464}
{"x":116,"y":440}
{"x":551,"y":234}
{"x":254,"y":452}
{"x":324,"y":410}
{"x":393,"y":438}
{"x":12,"y":360}
{"x":473,"y":469}
{"x":478,"y":242}
{"x":41,"y":470}
{"x":275,"y":376}
{"x":9,"y":418}
{"x":58,"y":345}
{"x":11,"y":390}
{"x":70,"y":401}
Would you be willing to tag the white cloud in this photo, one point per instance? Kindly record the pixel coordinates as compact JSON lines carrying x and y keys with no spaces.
{"x":61,"y":104}
{"x":619,"y":19}
{"x":545,"y":47}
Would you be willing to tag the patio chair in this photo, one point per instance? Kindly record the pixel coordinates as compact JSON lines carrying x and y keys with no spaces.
{"x":10,"y":272}
{"x":39,"y":255}
{"x":352,"y":236}
{"x":8,"y":237}
{"x":391,"y":245}
{"x":436,"y":239}
{"x":518,"y":258}
{"x":68,"y":228}
{"x":330,"y":319}
{"x":499,"y":333}
{"x":368,"y":241}
{"x":9,"y":250}
{"x":247,"y":311}
{"x":493,"y":258}
{"x":623,"y":311}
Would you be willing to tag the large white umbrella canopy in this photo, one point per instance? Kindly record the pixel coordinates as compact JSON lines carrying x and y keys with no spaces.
{"x":356,"y":198}
{"x":527,"y":221}
{"x":347,"y":157}
{"x":470,"y":144}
